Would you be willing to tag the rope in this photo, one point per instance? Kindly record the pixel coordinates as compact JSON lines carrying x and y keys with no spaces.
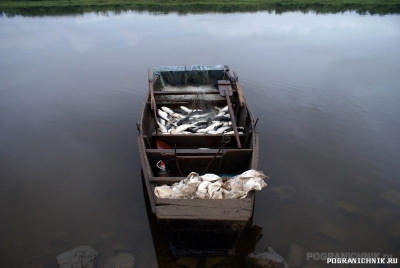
{"x":176,"y":161}
{"x":225,"y":140}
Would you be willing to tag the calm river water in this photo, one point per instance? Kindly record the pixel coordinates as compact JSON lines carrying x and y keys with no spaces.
{"x":326,"y":90}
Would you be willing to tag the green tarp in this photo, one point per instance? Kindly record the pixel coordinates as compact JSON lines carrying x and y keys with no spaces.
{"x":195,"y":75}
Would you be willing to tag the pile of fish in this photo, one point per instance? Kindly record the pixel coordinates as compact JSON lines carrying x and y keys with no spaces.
{"x":195,"y":121}
{"x":211,"y":186}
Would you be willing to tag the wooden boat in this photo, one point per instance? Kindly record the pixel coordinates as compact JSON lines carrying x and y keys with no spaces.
{"x":198,"y":226}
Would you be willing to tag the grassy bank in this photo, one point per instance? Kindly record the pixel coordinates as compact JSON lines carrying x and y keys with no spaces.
{"x":64,"y":7}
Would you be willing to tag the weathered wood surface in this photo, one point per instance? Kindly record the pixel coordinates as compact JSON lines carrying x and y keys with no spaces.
{"x":185,"y":92}
{"x":179,"y":211}
{"x":239,"y":89}
{"x":166,"y":180}
{"x":195,"y":140}
{"x":145,"y":173}
{"x":196,"y":151}
{"x":244,"y":203}
{"x":207,"y":209}
{"x":151,"y":91}
{"x":153,"y":104}
{"x":175,"y":103}
{"x":231,"y":162}
{"x":225,"y":89}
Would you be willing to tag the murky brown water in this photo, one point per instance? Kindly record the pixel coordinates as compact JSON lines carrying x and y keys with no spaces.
{"x":325,"y":88}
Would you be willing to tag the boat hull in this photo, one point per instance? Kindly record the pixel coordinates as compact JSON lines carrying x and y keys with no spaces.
{"x":202,"y":237}
{"x":198,"y":227}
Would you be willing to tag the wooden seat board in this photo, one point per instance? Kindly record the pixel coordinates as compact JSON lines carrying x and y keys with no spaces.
{"x":200,"y":213}
{"x":245,"y":203}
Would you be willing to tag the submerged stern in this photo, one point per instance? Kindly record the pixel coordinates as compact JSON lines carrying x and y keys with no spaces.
{"x":203,"y":227}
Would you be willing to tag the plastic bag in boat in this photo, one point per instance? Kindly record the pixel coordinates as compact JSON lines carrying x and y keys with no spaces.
{"x":211,"y":186}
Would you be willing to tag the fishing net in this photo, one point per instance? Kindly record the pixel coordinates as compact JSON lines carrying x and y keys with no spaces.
{"x":201,"y":100}
{"x":197,"y":87}
{"x":196,"y":75}
{"x":199,"y":79}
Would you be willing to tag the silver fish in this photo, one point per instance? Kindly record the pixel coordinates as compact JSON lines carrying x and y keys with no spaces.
{"x":181,"y":128}
{"x":202,"y":130}
{"x":183,"y":121}
{"x":167,"y":110}
{"x":186,"y":109}
{"x":162,"y":128}
{"x":162,"y":114}
{"x":239,"y":129}
{"x":201,"y":123}
{"x":225,"y":109}
{"x":232,"y":132}
{"x":198,"y":116}
{"x":213,"y":126}
{"x":179,"y":116}
{"x":197,"y":112}
{"x":162,"y":121}
{"x":221,"y":113}
{"x":219,"y":130}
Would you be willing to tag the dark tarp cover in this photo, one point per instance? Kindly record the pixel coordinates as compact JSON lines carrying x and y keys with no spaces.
{"x":196,"y":75}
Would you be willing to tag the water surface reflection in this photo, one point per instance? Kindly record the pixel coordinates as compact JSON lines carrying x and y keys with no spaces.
{"x":326,"y":90}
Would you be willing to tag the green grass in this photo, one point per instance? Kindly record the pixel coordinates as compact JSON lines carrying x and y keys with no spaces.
{"x":64,"y":7}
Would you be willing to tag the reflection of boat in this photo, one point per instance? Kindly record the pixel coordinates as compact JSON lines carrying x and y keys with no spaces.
{"x":198,"y":226}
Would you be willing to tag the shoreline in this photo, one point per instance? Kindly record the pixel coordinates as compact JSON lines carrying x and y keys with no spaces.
{"x":71,"y":7}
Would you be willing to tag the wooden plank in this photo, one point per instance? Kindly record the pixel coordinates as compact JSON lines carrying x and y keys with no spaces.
{"x":244,"y":119}
{"x":151,"y":91}
{"x":157,"y":85}
{"x":182,"y":151}
{"x":146,"y":121}
{"x":225,"y":89}
{"x":146,"y":141}
{"x":185,"y":92}
{"x":199,"y":157}
{"x":202,"y":213}
{"x":146,"y":169}
{"x":239,"y":89}
{"x":254,"y":140}
{"x":233,"y":162}
{"x":153,"y":104}
{"x":186,"y":102}
{"x":195,"y":140}
{"x":244,"y":203}
{"x":165,"y":180}
{"x":194,"y":151}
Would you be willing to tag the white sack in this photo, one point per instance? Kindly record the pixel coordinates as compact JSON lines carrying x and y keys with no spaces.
{"x":210,"y":177}
{"x":211,"y":186}
{"x":253,"y":184}
{"x":202,"y":190}
{"x":163,"y":191}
